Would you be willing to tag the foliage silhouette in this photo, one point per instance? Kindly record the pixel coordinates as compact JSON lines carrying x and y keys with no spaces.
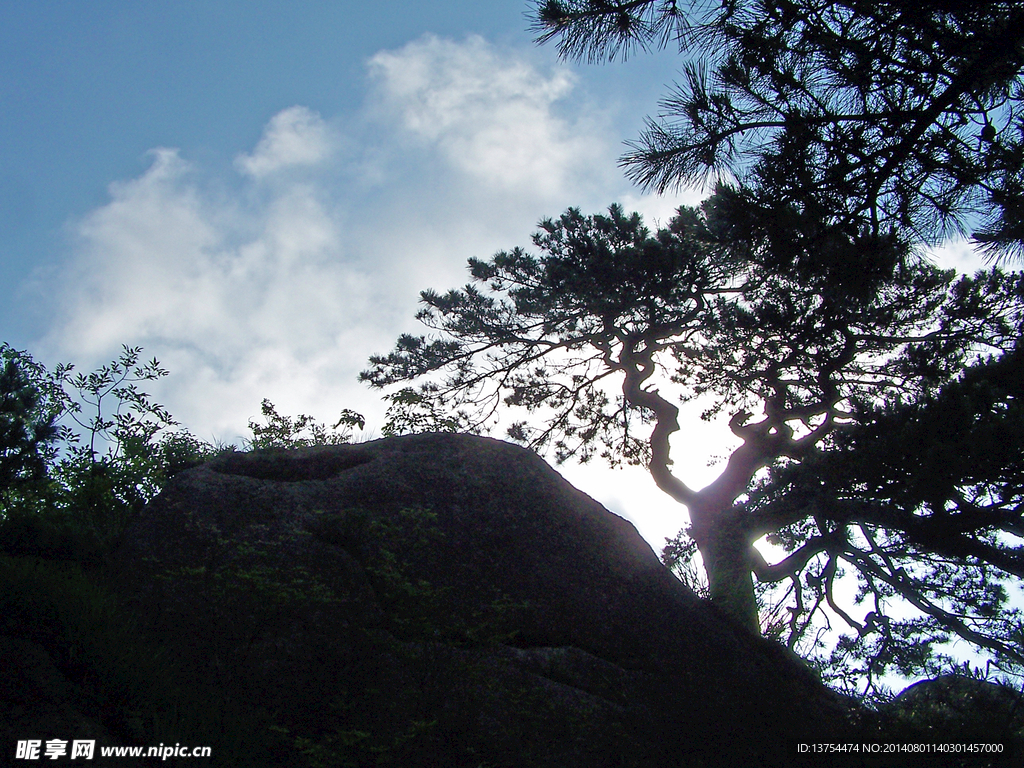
{"x":851,"y":134}
{"x":96,"y":475}
{"x":287,"y":432}
{"x":685,"y":313}
{"x":923,"y":501}
{"x":872,"y":116}
{"x":28,"y":422}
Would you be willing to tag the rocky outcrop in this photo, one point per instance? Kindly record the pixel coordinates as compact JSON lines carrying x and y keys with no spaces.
{"x":451,"y":600}
{"x":962,"y":709}
{"x":37,"y":701}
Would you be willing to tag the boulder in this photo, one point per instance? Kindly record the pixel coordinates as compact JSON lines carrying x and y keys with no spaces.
{"x":36,"y":699}
{"x":962,"y":709}
{"x":450,"y":600}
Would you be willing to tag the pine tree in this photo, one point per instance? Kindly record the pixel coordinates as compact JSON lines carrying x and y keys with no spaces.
{"x":869,"y":115}
{"x":688,"y":312}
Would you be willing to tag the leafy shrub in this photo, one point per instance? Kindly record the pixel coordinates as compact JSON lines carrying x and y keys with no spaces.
{"x":83,"y":453}
{"x":287,"y":432}
{"x":28,"y":422}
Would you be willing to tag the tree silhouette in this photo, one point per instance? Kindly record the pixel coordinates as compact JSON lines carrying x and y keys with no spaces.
{"x":923,"y":500}
{"x":851,"y":133}
{"x":869,"y":115}
{"x":682,"y":313}
{"x":28,"y":422}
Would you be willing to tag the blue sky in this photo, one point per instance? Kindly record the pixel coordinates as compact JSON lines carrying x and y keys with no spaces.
{"x":87,"y":89}
{"x":256,"y":192}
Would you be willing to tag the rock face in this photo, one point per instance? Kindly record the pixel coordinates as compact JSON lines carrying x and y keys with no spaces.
{"x":36,"y":700}
{"x":963,"y":709}
{"x":450,"y":600}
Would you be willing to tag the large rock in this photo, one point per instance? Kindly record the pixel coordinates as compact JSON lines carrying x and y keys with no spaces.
{"x":962,"y":709}
{"x":451,"y":600}
{"x":37,"y":701}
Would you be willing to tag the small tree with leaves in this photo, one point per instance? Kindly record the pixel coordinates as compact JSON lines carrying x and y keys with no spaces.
{"x":609,"y":327}
{"x":302,"y":431}
{"x":112,"y":465}
{"x":110,"y":450}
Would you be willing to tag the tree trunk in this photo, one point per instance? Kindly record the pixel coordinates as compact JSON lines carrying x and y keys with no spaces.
{"x":718,"y":531}
{"x":727,"y":560}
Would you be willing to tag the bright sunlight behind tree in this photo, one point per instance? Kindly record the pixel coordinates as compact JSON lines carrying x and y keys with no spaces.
{"x":601,"y":333}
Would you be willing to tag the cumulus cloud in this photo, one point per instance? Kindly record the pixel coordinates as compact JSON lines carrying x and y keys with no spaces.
{"x":240,"y":301}
{"x":294,"y":137}
{"x":491,"y":115}
{"x":134,"y":257}
{"x":161,"y":259}
{"x":286,"y":293}
{"x":959,"y":254}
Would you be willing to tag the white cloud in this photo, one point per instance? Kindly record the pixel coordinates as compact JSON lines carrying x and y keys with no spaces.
{"x":135,"y":256}
{"x":296,"y":136}
{"x":958,"y":254}
{"x":240,"y":300}
{"x":657,"y":210}
{"x":491,"y":115}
